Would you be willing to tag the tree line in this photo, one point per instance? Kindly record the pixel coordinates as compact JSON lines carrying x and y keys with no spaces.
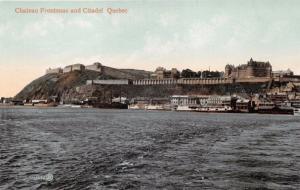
{"x":188,"y":73}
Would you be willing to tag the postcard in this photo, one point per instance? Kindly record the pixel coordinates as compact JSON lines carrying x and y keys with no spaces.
{"x":198,"y":94}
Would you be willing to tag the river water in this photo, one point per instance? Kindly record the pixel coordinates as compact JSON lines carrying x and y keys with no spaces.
{"x":57,"y":148}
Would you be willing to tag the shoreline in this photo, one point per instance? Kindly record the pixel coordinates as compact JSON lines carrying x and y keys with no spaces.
{"x":62,"y":107}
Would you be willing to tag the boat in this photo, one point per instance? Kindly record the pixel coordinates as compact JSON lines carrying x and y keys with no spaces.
{"x":69,"y":106}
{"x":296,"y":112}
{"x":113,"y":105}
{"x":265,"y":106}
{"x":133,"y":107}
{"x":185,"y":108}
{"x":86,"y":106}
{"x":277,"y":110}
{"x":215,"y":109}
{"x":154,"y":107}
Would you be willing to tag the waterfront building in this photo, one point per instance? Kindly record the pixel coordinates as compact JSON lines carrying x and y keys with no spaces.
{"x":201,"y":100}
{"x":250,"y":70}
{"x":277,"y":98}
{"x":149,"y":103}
{"x":185,"y":100}
{"x":219,"y":101}
{"x":201,"y":103}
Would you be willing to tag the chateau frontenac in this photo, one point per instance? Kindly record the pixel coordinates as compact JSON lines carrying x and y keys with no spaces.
{"x":250,"y":70}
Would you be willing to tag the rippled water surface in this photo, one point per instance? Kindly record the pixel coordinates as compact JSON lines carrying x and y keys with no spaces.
{"x":123,"y":149}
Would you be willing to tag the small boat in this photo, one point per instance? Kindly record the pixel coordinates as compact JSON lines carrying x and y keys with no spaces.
{"x":185,"y":108}
{"x":215,"y":109}
{"x":154,"y":107}
{"x":133,"y":107}
{"x":69,"y":106}
{"x":296,"y":112}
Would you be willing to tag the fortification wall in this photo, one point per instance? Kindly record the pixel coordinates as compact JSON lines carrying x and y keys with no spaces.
{"x":198,"y":81}
{"x":95,"y":67}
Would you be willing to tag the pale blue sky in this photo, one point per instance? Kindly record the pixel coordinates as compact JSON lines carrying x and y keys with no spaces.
{"x":182,"y":34}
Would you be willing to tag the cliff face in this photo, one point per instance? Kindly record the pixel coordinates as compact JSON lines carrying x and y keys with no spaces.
{"x":104,"y":93}
{"x":61,"y":84}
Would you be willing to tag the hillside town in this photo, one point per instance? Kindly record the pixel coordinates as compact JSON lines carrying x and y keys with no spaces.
{"x":280,"y":92}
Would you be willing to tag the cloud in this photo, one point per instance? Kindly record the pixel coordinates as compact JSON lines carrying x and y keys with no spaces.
{"x":81,"y":23}
{"x":154,"y":45}
{"x":275,"y":31}
{"x":4,"y":28}
{"x":167,"y":19}
{"x":161,"y":49}
{"x":202,"y":34}
{"x":42,"y":27}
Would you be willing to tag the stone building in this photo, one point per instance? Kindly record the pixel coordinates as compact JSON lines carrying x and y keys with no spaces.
{"x":55,"y":70}
{"x":75,"y":67}
{"x":161,"y":73}
{"x":95,"y":67}
{"x":250,"y":70}
{"x":78,"y":67}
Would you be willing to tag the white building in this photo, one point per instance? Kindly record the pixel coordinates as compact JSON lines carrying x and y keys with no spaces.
{"x":78,"y":67}
{"x":185,"y":100}
{"x":75,"y":67}
{"x":200,"y":100}
{"x":218,"y":100}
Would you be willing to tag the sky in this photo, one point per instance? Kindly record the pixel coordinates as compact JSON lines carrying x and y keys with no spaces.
{"x":191,"y":34}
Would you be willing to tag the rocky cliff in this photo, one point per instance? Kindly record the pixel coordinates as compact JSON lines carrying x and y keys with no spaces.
{"x":71,"y":87}
{"x":60,"y":84}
